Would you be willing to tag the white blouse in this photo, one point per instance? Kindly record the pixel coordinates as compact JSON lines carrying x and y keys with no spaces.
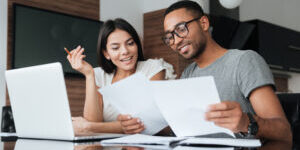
{"x":149,"y":68}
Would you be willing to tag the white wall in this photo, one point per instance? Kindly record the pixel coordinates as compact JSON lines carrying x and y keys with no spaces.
{"x":204,"y":4}
{"x":130,"y":10}
{"x":133,"y":10}
{"x":294,"y":82}
{"x":3,"y":48}
{"x":152,"y":5}
{"x":284,"y":13}
{"x":280,"y":12}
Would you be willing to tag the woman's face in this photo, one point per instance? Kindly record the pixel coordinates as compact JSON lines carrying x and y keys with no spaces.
{"x":122,"y":50}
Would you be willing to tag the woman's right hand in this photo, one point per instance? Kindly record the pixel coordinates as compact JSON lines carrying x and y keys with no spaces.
{"x":81,"y":125}
{"x":130,"y":125}
{"x":77,"y":62}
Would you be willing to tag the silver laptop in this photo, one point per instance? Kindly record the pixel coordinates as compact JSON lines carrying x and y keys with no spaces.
{"x":40,"y":104}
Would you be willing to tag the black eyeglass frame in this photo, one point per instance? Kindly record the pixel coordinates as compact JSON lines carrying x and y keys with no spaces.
{"x":174,"y":31}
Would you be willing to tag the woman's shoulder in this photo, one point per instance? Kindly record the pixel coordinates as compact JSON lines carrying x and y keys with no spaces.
{"x":150,"y":67}
{"x":150,"y":62}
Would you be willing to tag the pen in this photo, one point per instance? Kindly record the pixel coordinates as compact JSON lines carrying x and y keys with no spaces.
{"x":67,"y":51}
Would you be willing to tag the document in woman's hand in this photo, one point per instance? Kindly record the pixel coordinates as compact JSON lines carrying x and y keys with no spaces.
{"x":133,"y":96}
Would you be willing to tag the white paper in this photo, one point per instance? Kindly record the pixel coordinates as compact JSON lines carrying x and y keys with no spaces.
{"x":202,"y":148}
{"x":7,"y":134}
{"x":180,"y":142}
{"x":222,"y":142}
{"x":184,"y":102}
{"x":143,"y":139}
{"x":133,"y":96}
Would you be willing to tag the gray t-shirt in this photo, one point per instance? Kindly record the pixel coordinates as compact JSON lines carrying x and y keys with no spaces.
{"x":236,"y":75}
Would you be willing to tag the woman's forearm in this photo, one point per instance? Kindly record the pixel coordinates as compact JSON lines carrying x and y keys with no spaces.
{"x":93,"y":110}
{"x":105,"y":127}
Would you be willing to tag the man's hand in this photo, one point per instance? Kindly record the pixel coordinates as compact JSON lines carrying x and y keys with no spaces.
{"x":228,"y":114}
{"x":130,"y":125}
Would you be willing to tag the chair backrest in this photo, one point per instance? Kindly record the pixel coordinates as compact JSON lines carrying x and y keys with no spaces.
{"x":291,"y":105}
{"x":7,"y":121}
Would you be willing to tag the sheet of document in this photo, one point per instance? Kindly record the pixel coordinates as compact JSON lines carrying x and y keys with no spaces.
{"x":138,"y":139}
{"x":202,"y":148}
{"x":7,"y":134}
{"x":133,"y":96}
{"x":180,"y":142}
{"x":222,"y":142}
{"x":184,"y":102}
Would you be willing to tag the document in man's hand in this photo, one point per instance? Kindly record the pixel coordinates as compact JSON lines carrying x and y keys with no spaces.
{"x":133,"y":96}
{"x":140,"y":139}
{"x":184,"y":102}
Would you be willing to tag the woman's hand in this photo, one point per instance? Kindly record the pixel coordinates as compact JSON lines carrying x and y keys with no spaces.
{"x":77,"y":62}
{"x":88,"y":147}
{"x":130,"y":125}
{"x":80,"y":125}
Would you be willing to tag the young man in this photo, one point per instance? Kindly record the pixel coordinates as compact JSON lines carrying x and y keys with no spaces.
{"x":244,"y":81}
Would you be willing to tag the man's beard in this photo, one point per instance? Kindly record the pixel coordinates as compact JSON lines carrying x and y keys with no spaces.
{"x":199,"y":51}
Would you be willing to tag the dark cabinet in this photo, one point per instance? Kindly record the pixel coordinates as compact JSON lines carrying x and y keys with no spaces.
{"x":279,"y":46}
{"x":292,"y":51}
{"x":230,"y":33}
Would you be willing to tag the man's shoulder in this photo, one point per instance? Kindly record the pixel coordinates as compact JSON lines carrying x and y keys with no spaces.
{"x":235,"y":57}
{"x":230,"y":60}
{"x":246,"y":57}
{"x":236,"y":53}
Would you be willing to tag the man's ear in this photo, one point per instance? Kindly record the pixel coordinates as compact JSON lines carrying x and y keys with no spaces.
{"x":204,"y":22}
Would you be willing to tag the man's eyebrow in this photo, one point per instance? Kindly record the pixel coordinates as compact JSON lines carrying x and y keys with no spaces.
{"x":169,"y":31}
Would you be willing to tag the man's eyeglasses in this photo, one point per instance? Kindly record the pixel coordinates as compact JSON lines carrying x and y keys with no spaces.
{"x":181,"y":30}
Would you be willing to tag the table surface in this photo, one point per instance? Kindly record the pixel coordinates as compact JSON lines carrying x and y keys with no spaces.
{"x":26,"y":144}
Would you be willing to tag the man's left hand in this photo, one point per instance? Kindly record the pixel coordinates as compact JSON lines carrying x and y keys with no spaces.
{"x":228,"y":114}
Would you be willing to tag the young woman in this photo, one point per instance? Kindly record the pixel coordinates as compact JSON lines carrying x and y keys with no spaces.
{"x":119,"y":56}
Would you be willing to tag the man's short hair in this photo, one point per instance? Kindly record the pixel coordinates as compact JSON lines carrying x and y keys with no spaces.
{"x":191,"y":6}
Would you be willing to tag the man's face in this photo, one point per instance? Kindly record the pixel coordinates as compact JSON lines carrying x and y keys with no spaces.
{"x":194,"y":43}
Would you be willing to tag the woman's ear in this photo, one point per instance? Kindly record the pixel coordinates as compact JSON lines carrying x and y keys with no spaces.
{"x":106,"y":54}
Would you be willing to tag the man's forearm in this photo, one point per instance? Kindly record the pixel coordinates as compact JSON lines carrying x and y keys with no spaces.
{"x":274,"y":129}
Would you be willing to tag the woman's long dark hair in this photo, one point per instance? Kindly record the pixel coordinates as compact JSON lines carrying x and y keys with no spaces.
{"x":106,"y":29}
